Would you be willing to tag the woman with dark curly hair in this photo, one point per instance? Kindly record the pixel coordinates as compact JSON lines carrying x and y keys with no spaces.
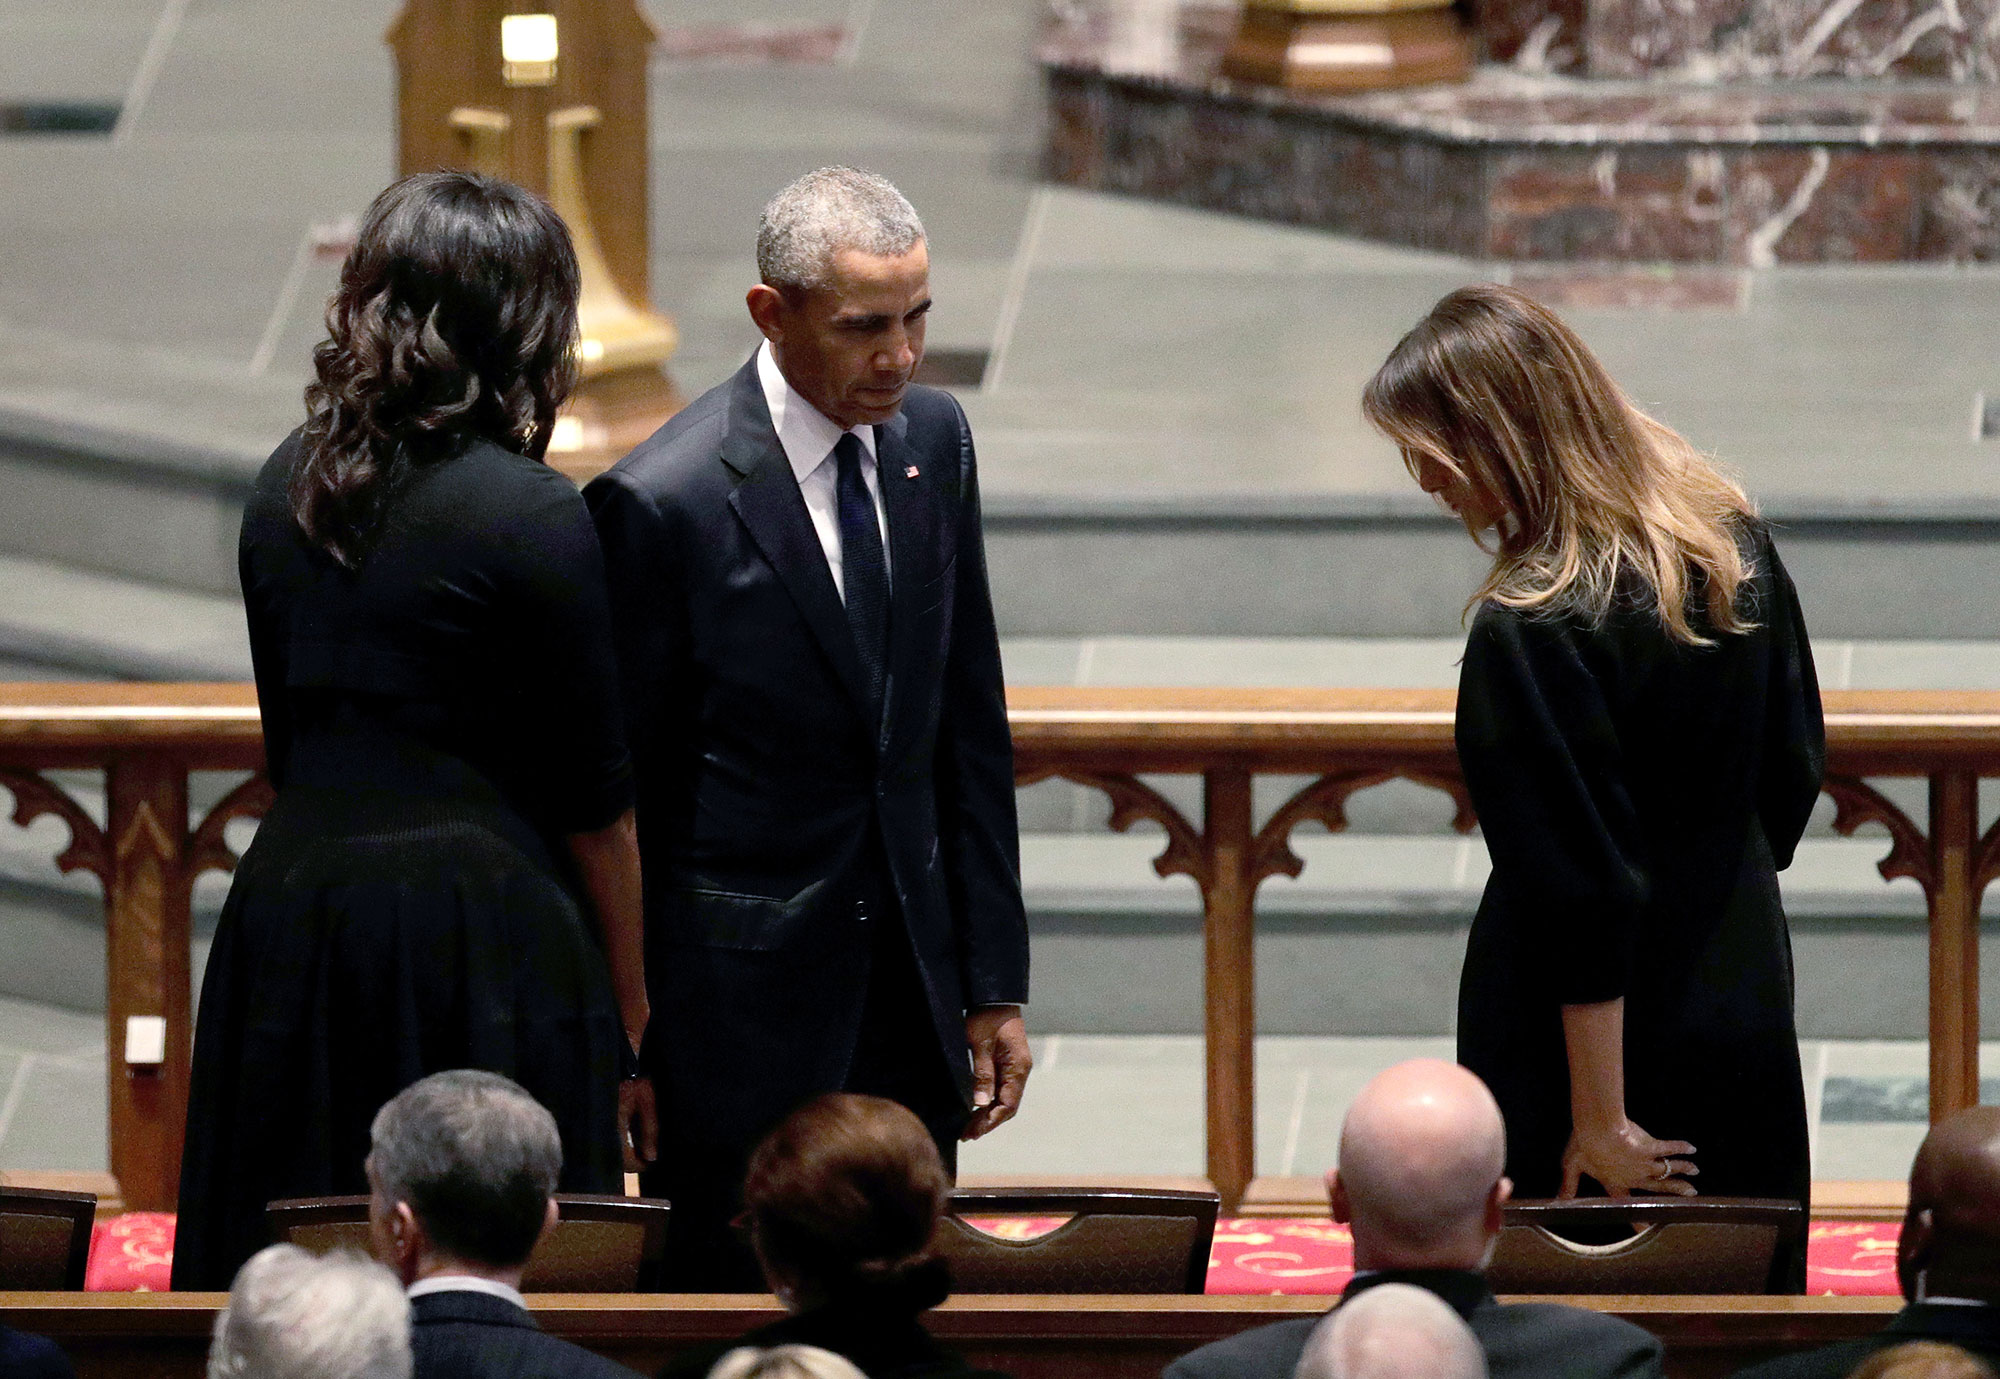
{"x":842,"y":1202}
{"x":448,"y":876}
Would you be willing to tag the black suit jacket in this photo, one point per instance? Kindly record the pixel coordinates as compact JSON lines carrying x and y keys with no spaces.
{"x":31,"y":1357}
{"x":1976,"y":1329}
{"x":766,"y":778}
{"x":1521,"y":1340}
{"x":477,"y":1336}
{"x":880,"y":1345}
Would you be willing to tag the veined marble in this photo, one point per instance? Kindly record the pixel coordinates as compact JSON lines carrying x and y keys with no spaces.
{"x":1517,"y":165}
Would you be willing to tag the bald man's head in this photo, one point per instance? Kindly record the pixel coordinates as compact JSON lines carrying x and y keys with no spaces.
{"x":1951,"y":1236}
{"x":1421,"y":1153}
{"x":1392,"y":1331}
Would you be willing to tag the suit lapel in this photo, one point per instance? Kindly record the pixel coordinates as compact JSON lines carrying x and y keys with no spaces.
{"x":907,"y":503}
{"x":770,"y":506}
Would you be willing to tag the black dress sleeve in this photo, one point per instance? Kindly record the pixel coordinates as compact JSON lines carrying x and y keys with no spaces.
{"x":1542,"y":760}
{"x":269,"y":638}
{"x":646,"y":595}
{"x":571,"y":729}
{"x":1795,"y":731}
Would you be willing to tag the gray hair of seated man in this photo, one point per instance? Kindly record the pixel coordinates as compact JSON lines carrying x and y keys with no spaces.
{"x":1392,"y":1331}
{"x":294,"y":1315}
{"x":784,"y":1362}
{"x":477,"y":1159}
{"x":827,"y":211}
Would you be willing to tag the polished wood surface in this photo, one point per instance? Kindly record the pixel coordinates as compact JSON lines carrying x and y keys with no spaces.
{"x":605,"y":47}
{"x":146,"y":737}
{"x":165,"y":1335}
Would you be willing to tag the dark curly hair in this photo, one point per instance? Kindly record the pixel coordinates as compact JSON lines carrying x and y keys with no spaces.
{"x":844,"y":1200}
{"x":455,"y":319}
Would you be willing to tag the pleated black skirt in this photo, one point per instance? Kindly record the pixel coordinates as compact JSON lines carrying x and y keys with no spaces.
{"x":393,"y":918}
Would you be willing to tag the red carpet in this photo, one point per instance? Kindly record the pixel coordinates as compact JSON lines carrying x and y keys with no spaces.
{"x":134,"y":1252}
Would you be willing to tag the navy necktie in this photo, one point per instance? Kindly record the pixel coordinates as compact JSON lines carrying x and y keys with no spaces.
{"x":864,"y":572}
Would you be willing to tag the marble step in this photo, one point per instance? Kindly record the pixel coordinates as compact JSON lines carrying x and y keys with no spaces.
{"x":161,"y":509}
{"x":62,"y":620}
{"x":1117,"y":950}
{"x":132,"y":496}
{"x":1369,"y":939}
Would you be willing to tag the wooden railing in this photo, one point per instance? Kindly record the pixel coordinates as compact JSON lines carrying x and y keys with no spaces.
{"x":147,"y":738}
{"x":165,"y":1335}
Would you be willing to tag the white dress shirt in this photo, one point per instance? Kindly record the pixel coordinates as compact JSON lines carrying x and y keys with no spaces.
{"x":808,"y":436}
{"x":466,"y":1283}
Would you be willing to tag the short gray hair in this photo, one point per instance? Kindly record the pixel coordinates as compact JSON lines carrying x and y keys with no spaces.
{"x":785,"y":1362}
{"x":477,"y":1159}
{"x":1392,"y":1331}
{"x":294,"y":1315}
{"x":826,"y":211}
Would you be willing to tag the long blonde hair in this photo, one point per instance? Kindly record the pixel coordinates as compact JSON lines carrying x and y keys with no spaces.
{"x":1495,"y":388}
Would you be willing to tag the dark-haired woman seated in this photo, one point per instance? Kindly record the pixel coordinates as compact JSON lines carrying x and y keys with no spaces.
{"x":448,"y":877}
{"x":843,"y":1202}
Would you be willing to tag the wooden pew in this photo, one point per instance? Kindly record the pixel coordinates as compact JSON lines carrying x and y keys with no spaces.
{"x":165,"y":1335}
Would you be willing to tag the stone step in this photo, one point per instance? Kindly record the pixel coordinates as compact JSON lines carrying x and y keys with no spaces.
{"x":163,"y":510}
{"x":1369,"y":939}
{"x":1118,"y":950}
{"x":60,"y":619}
{"x":142,"y":502}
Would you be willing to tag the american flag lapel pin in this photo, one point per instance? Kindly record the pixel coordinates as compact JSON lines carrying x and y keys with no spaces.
{"x":910,"y":473}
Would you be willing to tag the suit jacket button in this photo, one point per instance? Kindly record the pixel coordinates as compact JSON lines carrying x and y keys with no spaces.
{"x":861,"y":911}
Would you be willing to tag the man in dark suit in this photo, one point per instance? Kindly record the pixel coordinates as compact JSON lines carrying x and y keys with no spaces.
{"x":1420,"y":1185}
{"x":462,"y":1173}
{"x":32,"y":1357}
{"x":813,"y":692}
{"x":1948,"y":1259}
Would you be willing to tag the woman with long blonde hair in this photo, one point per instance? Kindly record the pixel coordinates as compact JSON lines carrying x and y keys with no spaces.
{"x":1639,"y":727}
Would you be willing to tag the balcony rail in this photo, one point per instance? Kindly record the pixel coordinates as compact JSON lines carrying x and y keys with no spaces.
{"x":147,"y":738}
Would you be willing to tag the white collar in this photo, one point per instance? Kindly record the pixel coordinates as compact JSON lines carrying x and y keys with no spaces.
{"x":807,"y":434}
{"x":466,"y":1283}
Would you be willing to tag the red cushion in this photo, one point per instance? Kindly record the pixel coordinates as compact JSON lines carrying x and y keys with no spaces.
{"x":133,"y":1253}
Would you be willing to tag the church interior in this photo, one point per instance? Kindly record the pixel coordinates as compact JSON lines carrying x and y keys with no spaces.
{"x":1169,"y":242}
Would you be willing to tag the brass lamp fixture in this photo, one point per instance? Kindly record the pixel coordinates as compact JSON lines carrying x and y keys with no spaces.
{"x":1348,"y":45}
{"x":551,"y":94}
{"x":529,"y":45}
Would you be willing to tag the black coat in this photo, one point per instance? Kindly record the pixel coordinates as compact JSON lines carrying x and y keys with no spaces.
{"x":767,"y":787}
{"x":1639,"y":797}
{"x":1532,"y":1340}
{"x":467,"y":1335}
{"x":1976,"y":1329}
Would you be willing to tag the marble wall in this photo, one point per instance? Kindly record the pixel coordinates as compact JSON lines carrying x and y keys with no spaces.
{"x":1500,"y":175}
{"x":1708,"y":40}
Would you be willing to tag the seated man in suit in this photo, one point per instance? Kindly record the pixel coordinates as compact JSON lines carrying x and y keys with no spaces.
{"x":462,"y":1176}
{"x":1420,"y":1184}
{"x":32,"y":1357}
{"x":294,"y":1315}
{"x":1948,"y":1259}
{"x":1396,"y":1331}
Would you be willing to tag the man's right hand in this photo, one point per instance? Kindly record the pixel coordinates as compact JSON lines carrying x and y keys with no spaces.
{"x":638,"y":1123}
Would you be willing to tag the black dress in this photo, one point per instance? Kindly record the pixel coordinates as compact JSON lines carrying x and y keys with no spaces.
{"x":1639,"y":797}
{"x":434,"y":723}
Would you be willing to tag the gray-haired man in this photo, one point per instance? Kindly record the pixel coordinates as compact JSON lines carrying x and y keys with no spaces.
{"x":814,"y":704}
{"x":462,"y":1176}
{"x":294,"y":1315}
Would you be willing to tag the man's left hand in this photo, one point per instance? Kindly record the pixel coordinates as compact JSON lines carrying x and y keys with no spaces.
{"x":1000,"y":1064}
{"x":638,"y":1123}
